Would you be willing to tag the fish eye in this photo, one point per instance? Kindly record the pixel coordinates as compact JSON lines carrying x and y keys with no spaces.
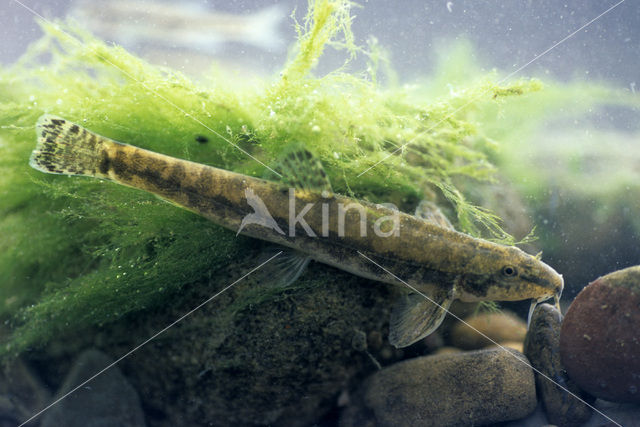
{"x":509,"y":271}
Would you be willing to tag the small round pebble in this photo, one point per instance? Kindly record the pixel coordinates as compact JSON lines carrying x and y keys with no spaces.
{"x":476,"y":387}
{"x":447,"y":350}
{"x":600,"y":337}
{"x":513,"y":345}
{"x":501,"y":327}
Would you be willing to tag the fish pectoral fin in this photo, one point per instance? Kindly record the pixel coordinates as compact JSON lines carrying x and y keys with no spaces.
{"x":414,"y":317}
{"x":285,"y":267}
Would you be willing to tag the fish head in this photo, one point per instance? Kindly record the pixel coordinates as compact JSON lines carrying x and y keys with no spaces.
{"x":506,"y":273}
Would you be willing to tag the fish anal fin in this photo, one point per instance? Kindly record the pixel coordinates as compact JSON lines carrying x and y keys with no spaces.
{"x":414,"y":317}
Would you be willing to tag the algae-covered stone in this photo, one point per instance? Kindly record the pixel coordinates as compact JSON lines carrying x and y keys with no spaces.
{"x":478,"y":387}
{"x":255,"y":355}
{"x":599,"y":342}
{"x":542,"y":347}
{"x":107,"y":400}
{"x":500,"y":327}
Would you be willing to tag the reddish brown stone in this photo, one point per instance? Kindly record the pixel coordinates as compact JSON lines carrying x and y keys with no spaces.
{"x":600,"y":337}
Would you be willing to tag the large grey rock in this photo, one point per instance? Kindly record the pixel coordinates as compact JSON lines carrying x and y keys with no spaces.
{"x":258,"y":356}
{"x":478,"y":387}
{"x":542,"y":348}
{"x":254,"y":355}
{"x":106,"y":401}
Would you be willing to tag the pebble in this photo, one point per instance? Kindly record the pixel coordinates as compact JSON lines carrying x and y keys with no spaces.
{"x":447,"y":350}
{"x":476,"y":387}
{"x":107,"y":400}
{"x":514,"y":345}
{"x":22,"y":393}
{"x":542,"y":348}
{"x":503,"y":326}
{"x":599,"y":340}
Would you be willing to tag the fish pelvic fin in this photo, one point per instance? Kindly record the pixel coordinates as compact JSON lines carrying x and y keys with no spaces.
{"x":414,"y":317}
{"x":66,"y":148}
{"x":285,"y":268}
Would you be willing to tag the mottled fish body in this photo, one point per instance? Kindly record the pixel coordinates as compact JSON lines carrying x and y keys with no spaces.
{"x":317,"y":224}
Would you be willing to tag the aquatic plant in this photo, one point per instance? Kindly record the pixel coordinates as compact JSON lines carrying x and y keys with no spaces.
{"x":78,"y":252}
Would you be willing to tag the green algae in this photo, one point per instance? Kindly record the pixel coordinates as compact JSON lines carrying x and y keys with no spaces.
{"x":78,"y":252}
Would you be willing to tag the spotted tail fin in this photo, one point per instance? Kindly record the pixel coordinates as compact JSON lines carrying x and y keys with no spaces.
{"x":68,"y":149}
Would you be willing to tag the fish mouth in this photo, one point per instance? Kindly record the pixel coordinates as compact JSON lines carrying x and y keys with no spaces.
{"x":556,"y":303}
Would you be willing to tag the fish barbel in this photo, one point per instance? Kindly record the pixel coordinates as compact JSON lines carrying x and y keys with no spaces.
{"x":303,"y":214}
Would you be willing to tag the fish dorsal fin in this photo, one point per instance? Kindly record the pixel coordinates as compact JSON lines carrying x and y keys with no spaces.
{"x":431,"y":213}
{"x":301,"y":169}
{"x":414,"y":317}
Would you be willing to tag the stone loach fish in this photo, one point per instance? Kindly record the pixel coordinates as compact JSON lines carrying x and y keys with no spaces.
{"x":301,"y":214}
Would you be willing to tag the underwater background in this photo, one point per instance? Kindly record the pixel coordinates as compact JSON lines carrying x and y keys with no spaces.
{"x":523,"y":122}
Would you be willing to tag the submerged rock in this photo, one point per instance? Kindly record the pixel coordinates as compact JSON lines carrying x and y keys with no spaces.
{"x":22,"y":393}
{"x":501,"y":327}
{"x":542,"y":347}
{"x":599,"y":342}
{"x":447,"y":350}
{"x":107,"y":400}
{"x":478,"y":387}
{"x":255,"y":355}
{"x":514,"y":345}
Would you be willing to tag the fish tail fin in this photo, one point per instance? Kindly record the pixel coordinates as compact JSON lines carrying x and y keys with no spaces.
{"x":68,"y":149}
{"x":264,"y":27}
